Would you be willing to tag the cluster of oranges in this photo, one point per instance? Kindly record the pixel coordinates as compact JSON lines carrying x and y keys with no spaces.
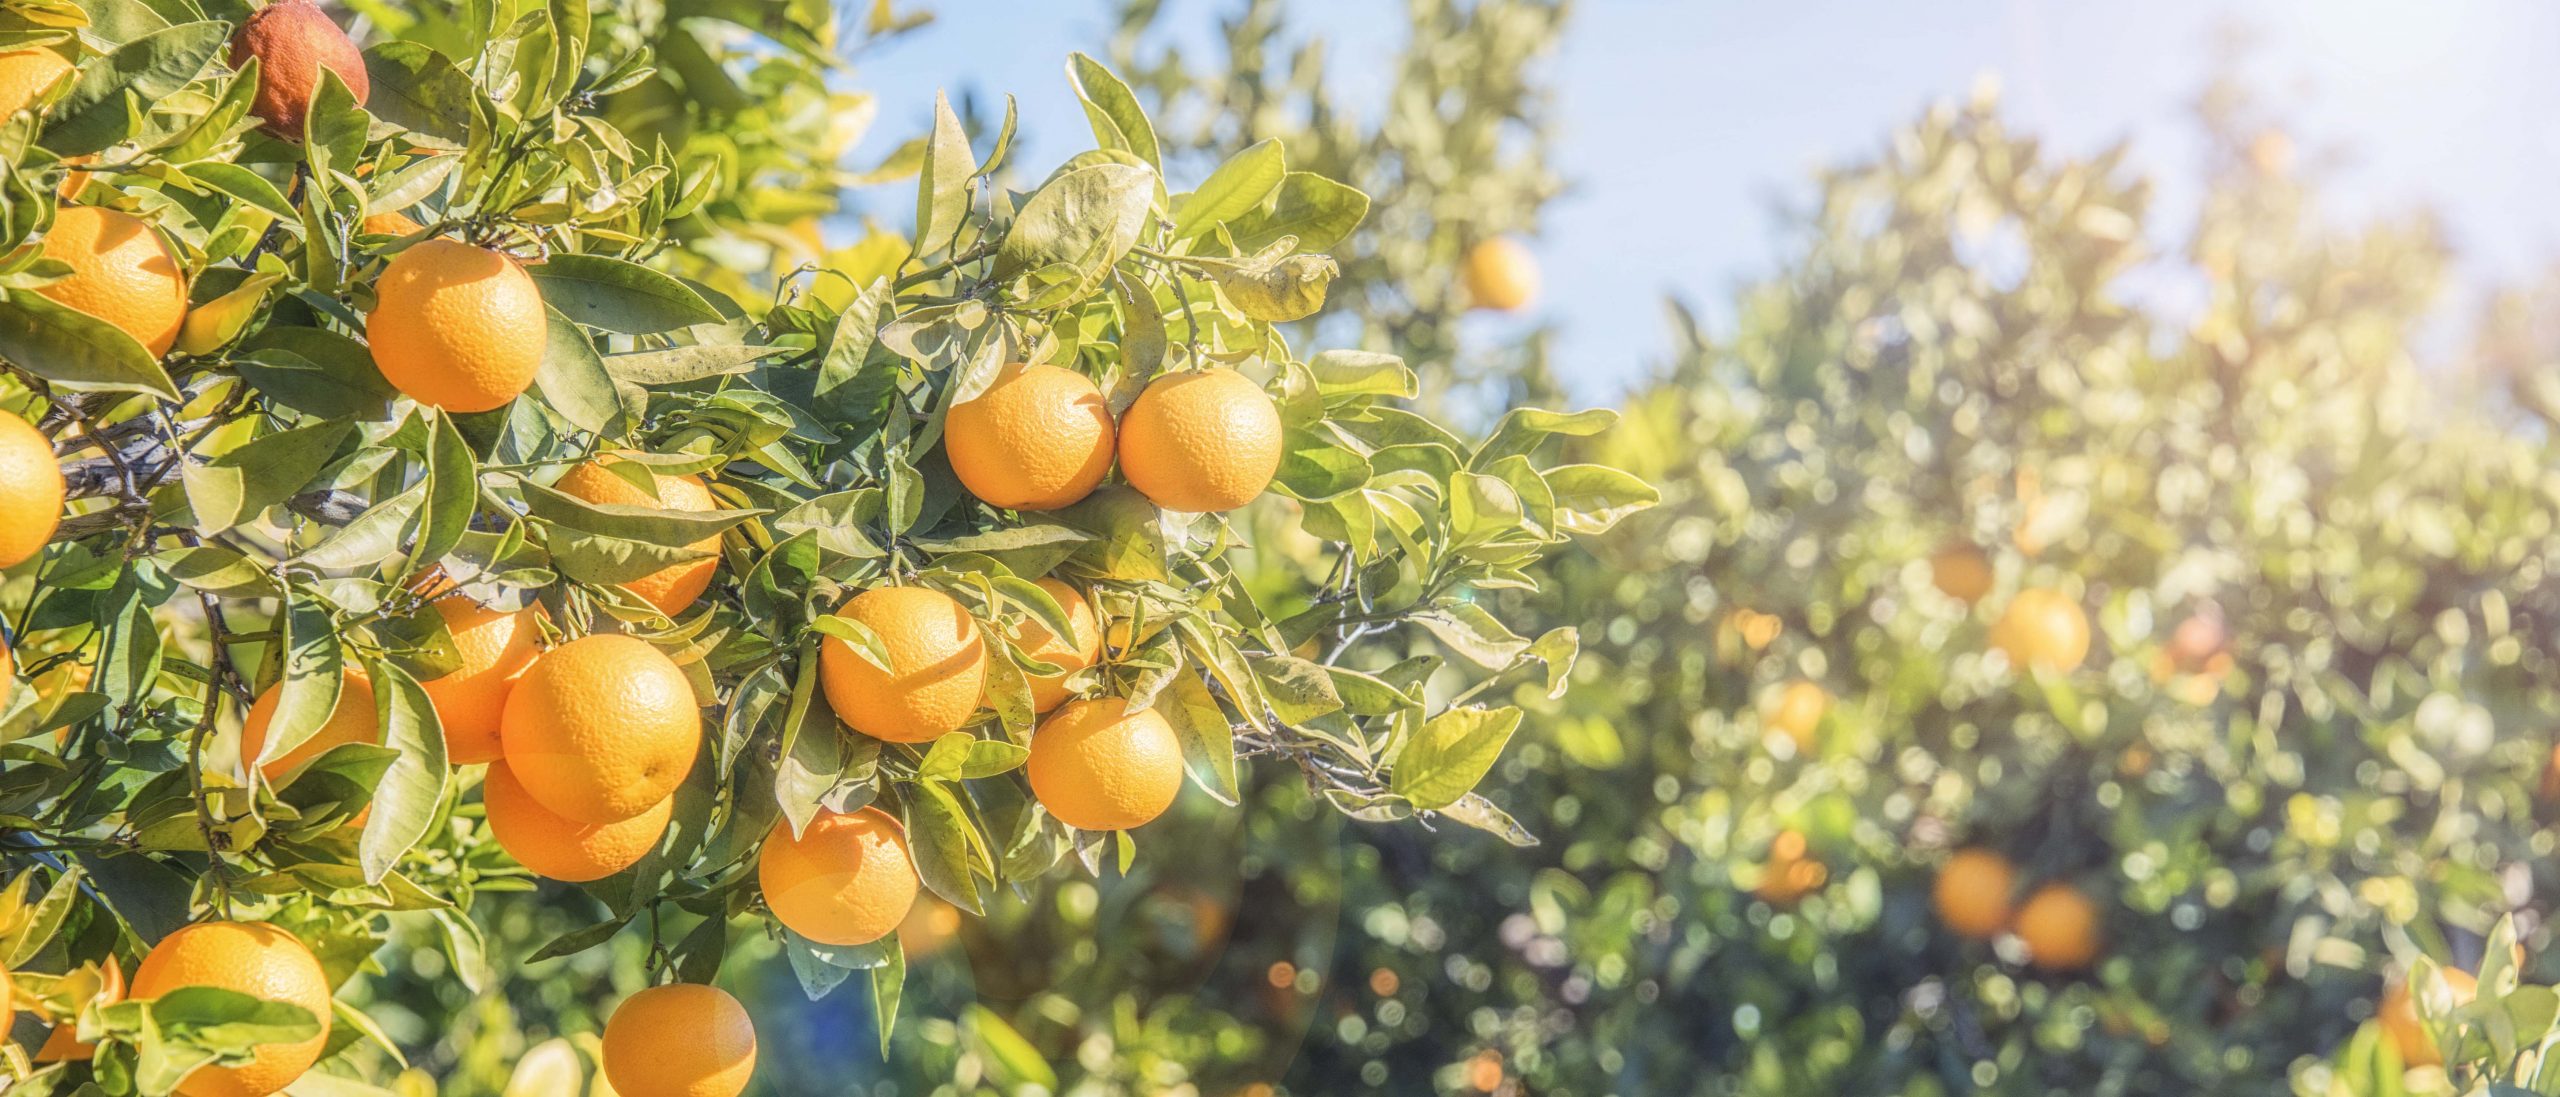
{"x":587,"y":741}
{"x":1976,"y":892}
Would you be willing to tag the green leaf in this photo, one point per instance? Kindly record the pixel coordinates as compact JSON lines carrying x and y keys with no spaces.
{"x":31,"y":928}
{"x":453,"y":494}
{"x":97,"y":111}
{"x":1118,"y":121}
{"x":1522,"y":429}
{"x":649,"y":525}
{"x":1289,"y":288}
{"x":1298,"y":690}
{"x":1451,"y":754}
{"x":1238,"y":187}
{"x":421,"y":91}
{"x":247,"y":186}
{"x":620,"y":297}
{"x":1208,"y":739}
{"x":1473,"y":633}
{"x":308,"y":692}
{"x":1593,"y":498}
{"x":678,"y":365}
{"x":406,"y":801}
{"x":76,"y":351}
{"x":1316,"y":210}
{"x":1359,"y":375}
{"x":239,"y":485}
{"x":942,"y":188}
{"x":1476,"y":811}
{"x":315,"y":371}
{"x":573,"y":379}
{"x":1073,"y":230}
{"x":888,"y":984}
{"x":939,"y":831}
{"x":1315,"y":465}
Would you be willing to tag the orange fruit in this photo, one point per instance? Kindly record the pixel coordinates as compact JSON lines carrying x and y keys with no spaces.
{"x":2059,"y":924}
{"x":1973,"y":893}
{"x":294,"y":41}
{"x":353,"y":721}
{"x":846,"y":880}
{"x":601,"y":728}
{"x":1796,"y":709}
{"x":26,"y":74}
{"x":675,"y":587}
{"x":2195,"y":641}
{"x":1755,"y":629}
{"x":928,"y":928}
{"x":937,"y":666}
{"x":496,"y":647}
{"x":2043,"y":628}
{"x":1039,"y":438}
{"x":1203,"y":441}
{"x":390,"y":223}
{"x":63,"y":1045}
{"x":255,"y":959}
{"x":680,"y":1040}
{"x":1790,"y":873}
{"x":1098,"y":765}
{"x":1961,"y":572}
{"x":565,"y":849}
{"x":1501,"y":275}
{"x":1070,"y":653}
{"x":121,"y":273}
{"x":2410,"y":1033}
{"x":457,"y":327}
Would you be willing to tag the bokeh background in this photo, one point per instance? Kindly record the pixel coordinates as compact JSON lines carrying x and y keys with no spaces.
{"x":2226,"y":325}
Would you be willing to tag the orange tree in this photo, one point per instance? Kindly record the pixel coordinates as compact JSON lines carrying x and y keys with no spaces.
{"x":419,"y":528}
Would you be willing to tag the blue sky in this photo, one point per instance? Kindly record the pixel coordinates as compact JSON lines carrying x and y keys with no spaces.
{"x":1684,"y":124}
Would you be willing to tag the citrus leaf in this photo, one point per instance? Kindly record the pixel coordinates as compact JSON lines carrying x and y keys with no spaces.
{"x":1451,"y":754}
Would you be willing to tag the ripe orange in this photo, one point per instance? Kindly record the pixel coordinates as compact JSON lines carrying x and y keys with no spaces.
{"x":2060,"y":927}
{"x":120,"y":273}
{"x":1202,"y":441}
{"x":674,"y":588}
{"x":1755,"y":629}
{"x":565,"y":849}
{"x":1098,"y":765}
{"x":26,"y":74}
{"x":1071,"y":653}
{"x":390,"y":223}
{"x":1973,"y":893}
{"x":2196,"y":640}
{"x":1961,"y":572}
{"x":1790,"y":873}
{"x":2044,"y":628}
{"x":255,"y":959}
{"x":2409,"y":1033}
{"x":1501,"y":275}
{"x":496,"y":647}
{"x":455,"y":326}
{"x":1039,"y":438}
{"x":937,"y":666}
{"x":353,"y":721}
{"x":63,"y":1045}
{"x":680,"y":1040}
{"x":293,"y":41}
{"x":1796,"y":709}
{"x":601,"y":729}
{"x":846,"y":880}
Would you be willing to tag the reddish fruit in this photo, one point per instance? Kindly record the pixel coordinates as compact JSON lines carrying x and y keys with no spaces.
{"x":294,"y":41}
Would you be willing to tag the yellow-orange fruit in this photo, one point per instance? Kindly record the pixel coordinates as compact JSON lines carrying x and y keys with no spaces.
{"x":26,"y":74}
{"x":2042,"y":628}
{"x":31,"y":490}
{"x":1039,"y":438}
{"x":496,"y":647}
{"x":1202,"y":441}
{"x":390,"y":223}
{"x":294,"y":41}
{"x":937,"y":666}
{"x":846,"y":880}
{"x":601,"y":728}
{"x":2060,"y":927}
{"x":251,"y":958}
{"x":680,"y":1040}
{"x":2196,"y":641}
{"x":455,"y":326}
{"x":1796,"y":709}
{"x":1791,"y":872}
{"x":1961,"y":572}
{"x":1501,"y":275}
{"x":564,"y":849}
{"x":121,"y":273}
{"x":63,"y":1045}
{"x":353,"y":721}
{"x":928,"y":927}
{"x":675,"y":587}
{"x":1973,"y":893}
{"x":1071,"y":653}
{"x":1100,"y":765}
{"x":2409,"y":1033}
